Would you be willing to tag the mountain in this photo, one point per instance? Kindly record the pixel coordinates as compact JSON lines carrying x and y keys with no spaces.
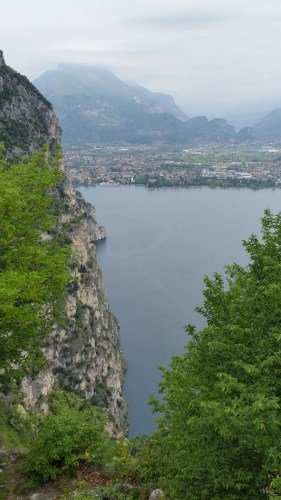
{"x":94,"y":105}
{"x":269,"y":128}
{"x":248,"y":113}
{"x":161,"y":102}
{"x":83,"y":353}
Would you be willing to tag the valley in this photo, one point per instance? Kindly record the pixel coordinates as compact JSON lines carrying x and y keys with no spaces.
{"x":254,"y":165}
{"x":140,"y":250}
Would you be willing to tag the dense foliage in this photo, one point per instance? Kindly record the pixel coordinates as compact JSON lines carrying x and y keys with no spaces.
{"x":219,"y":433}
{"x":71,"y":432}
{"x":33,"y":264}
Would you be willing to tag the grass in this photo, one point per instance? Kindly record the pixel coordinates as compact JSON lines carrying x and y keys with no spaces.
{"x":9,"y":437}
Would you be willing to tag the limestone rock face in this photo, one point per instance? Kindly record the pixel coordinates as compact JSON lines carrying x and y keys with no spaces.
{"x":156,"y":495}
{"x":84,"y":356}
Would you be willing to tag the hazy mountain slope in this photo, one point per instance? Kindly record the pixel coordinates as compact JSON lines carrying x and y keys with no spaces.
{"x":167,"y":102}
{"x":93,"y":105}
{"x":91,"y":102}
{"x":269,"y":127}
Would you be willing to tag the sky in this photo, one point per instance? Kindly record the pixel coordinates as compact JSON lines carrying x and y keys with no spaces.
{"x":216,"y":57}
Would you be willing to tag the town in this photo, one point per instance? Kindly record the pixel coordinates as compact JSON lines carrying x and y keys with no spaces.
{"x":253,"y":165}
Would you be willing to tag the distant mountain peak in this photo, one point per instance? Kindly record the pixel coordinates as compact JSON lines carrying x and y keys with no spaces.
{"x":91,"y":74}
{"x":73,"y":68}
{"x":73,"y":65}
{"x":94,"y":105}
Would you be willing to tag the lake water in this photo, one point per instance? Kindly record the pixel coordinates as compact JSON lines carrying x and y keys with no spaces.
{"x":160,"y":244}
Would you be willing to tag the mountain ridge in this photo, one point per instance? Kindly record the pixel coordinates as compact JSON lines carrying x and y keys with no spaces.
{"x":94,"y":105}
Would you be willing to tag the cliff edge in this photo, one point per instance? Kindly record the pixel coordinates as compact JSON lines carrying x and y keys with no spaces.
{"x":84,"y":355}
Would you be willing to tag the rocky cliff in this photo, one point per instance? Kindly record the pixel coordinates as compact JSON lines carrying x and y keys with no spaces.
{"x":27,"y":120}
{"x":83,"y":356}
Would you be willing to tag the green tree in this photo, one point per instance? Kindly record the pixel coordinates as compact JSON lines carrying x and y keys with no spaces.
{"x":219,"y":432}
{"x":33,"y":264}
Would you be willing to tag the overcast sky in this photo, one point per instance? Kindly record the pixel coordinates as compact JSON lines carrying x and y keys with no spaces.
{"x":211,"y":55}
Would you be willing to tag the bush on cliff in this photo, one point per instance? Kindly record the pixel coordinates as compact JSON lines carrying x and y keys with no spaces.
{"x":71,"y":432}
{"x":219,"y":435}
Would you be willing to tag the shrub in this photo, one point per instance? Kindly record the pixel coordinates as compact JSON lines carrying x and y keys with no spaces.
{"x":70,"y":434}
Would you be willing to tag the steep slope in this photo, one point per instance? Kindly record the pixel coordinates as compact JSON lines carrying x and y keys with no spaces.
{"x":84,"y":356}
{"x":27,"y":120}
{"x":269,"y":127}
{"x":93,"y":105}
{"x":166,"y":102}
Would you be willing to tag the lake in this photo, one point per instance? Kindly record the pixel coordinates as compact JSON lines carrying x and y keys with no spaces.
{"x":159,"y":246}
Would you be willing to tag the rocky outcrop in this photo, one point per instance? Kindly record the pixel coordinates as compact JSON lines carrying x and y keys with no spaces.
{"x":156,"y":494}
{"x":27,"y":119}
{"x":84,"y":355}
{"x":2,"y":60}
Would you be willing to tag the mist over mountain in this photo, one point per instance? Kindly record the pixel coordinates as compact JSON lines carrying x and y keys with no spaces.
{"x":269,"y":128}
{"x":94,"y":105}
{"x":249,"y":113}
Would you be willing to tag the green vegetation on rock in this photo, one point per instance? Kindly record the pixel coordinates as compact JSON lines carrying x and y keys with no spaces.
{"x":33,"y":263}
{"x":27,"y":121}
{"x":21,"y":80}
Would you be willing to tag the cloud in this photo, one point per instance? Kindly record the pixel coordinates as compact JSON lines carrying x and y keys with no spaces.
{"x":210,"y":54}
{"x":100,"y":53}
{"x":192,"y":19}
